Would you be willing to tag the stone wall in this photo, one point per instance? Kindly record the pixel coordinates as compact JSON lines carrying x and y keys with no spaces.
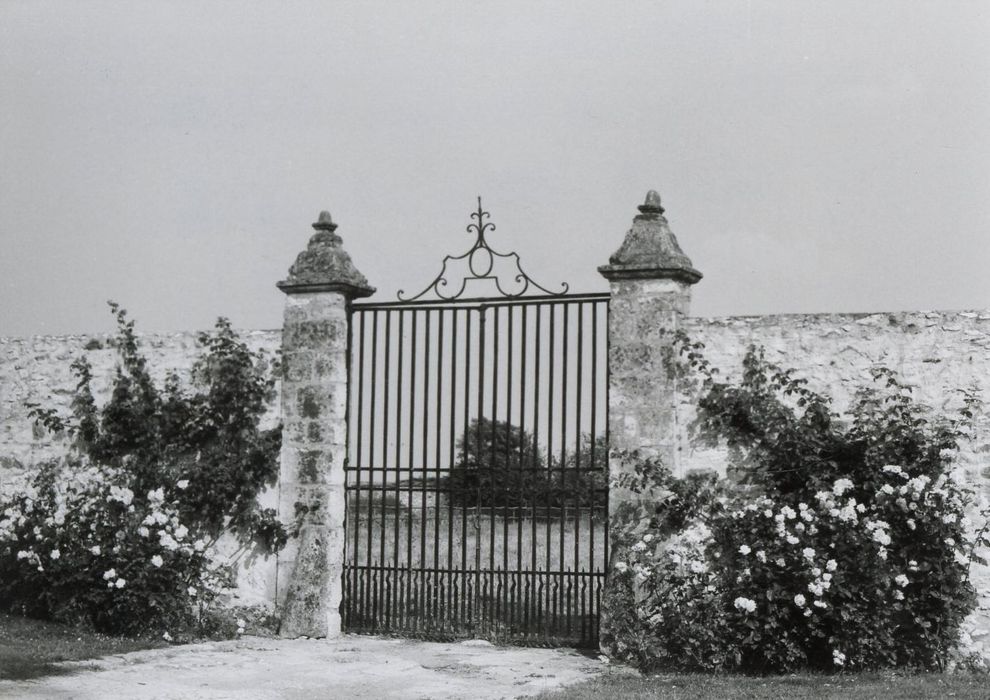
{"x":38,"y":369}
{"x":936,"y":352}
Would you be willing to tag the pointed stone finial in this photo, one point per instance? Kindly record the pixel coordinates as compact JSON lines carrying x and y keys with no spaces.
{"x":650,"y":249}
{"x":325,"y":266}
{"x":325,"y":222}
{"x":652,"y":203}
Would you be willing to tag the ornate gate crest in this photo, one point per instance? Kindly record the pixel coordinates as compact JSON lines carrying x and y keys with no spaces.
{"x":481,"y":262}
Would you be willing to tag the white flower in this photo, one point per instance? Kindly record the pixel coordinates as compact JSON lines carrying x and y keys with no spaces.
{"x":182,"y":484}
{"x":109,"y":574}
{"x":156,"y":496}
{"x":120,"y":583}
{"x":761,"y":556}
{"x":200,"y":545}
{"x":816,"y":572}
{"x":95,"y":550}
{"x":826,"y":578}
{"x":791,"y":539}
{"x":191,"y":590}
{"x":182,"y":531}
{"x":745,"y":604}
{"x":901,"y":580}
{"x":768,"y":513}
{"x":744,"y":549}
{"x":887,"y":489}
{"x":620,"y":566}
{"x":648,"y":537}
{"x":698,"y":567}
{"x":894,"y":469}
{"x":838,"y":658}
{"x":780,"y":562}
{"x":157,"y":561}
{"x":55,"y":554}
{"x":143,"y":531}
{"x":167,"y":637}
{"x":910,"y":523}
{"x":898,"y":595}
{"x":808,"y":553}
{"x":820,"y":604}
{"x":159,"y":517}
{"x":841,"y":486}
{"x":799,"y":600}
{"x":23,"y":555}
{"x":639,"y":547}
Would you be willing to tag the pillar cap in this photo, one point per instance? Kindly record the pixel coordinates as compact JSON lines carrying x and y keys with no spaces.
{"x":325,"y":266}
{"x":650,"y":249}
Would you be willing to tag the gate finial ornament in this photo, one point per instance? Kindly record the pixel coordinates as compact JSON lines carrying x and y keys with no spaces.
{"x":480,"y":262}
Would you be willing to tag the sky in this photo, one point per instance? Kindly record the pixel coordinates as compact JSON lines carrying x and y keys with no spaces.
{"x":812,"y":156}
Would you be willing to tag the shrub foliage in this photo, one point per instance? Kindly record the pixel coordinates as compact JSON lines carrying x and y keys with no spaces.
{"x":836,"y":543}
{"x":119,"y":533}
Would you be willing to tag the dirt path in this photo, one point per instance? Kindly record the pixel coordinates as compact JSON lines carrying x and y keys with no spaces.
{"x":357,"y":667}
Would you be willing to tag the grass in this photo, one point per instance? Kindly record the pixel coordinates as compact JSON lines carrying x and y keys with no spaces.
{"x":856,"y":686}
{"x":32,"y":648}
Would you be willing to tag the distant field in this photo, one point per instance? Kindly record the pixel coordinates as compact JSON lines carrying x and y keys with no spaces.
{"x":451,"y":572}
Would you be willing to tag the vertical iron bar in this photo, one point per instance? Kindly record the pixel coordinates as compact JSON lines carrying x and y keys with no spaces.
{"x":451,"y":460}
{"x":412,"y":584}
{"x":372,"y":571}
{"x":565,"y":347}
{"x":523,"y":352}
{"x":479,"y":446}
{"x":397,"y":613}
{"x":464,"y":442}
{"x":354,"y":558}
{"x":551,"y":362}
{"x":508,"y":605}
{"x":581,"y":482}
{"x":495,"y":495}
{"x":436,"y":614}
{"x":386,"y":425}
{"x":424,"y":416}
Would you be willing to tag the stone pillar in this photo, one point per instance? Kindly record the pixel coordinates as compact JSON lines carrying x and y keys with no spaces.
{"x":650,"y":279}
{"x":319,"y":288}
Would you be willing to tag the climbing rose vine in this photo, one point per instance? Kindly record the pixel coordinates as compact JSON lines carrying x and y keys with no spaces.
{"x":837,"y":543}
{"x":119,"y":532}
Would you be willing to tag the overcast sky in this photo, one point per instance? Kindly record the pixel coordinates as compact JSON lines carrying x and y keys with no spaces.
{"x":826,"y":156}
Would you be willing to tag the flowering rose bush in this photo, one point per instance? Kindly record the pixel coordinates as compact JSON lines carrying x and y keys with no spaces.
{"x":119,"y":533}
{"x":838,"y":545}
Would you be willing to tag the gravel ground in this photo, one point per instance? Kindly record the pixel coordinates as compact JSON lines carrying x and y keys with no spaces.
{"x":354,"y":666}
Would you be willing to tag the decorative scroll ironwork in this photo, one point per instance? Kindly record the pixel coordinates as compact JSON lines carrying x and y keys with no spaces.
{"x":481,"y":261}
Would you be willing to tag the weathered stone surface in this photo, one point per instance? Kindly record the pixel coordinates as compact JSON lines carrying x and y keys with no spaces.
{"x":314,"y":401}
{"x":325,"y":265}
{"x":650,"y":249}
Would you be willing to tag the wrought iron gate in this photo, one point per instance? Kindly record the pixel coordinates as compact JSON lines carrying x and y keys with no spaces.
{"x":476,"y":476}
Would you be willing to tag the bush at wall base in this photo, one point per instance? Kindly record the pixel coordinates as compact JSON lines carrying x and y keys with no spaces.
{"x":118,"y":534}
{"x":837,"y":544}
